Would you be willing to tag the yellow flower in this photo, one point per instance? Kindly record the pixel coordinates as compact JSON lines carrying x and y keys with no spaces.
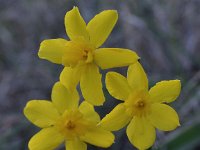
{"x":82,"y":56}
{"x":63,"y":121}
{"x":144,"y":110}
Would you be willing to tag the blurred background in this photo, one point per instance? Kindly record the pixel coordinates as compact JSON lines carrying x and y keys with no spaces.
{"x":165,"y":34}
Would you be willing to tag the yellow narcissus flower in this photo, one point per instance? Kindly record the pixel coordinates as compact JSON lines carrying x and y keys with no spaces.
{"x":144,"y":110}
{"x":82,"y":56}
{"x":63,"y":121}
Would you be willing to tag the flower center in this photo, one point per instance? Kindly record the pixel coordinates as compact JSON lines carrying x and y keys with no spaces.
{"x":137,"y":104}
{"x":77,"y":53}
{"x":87,"y":55}
{"x":140,"y":104}
{"x":70,"y":125}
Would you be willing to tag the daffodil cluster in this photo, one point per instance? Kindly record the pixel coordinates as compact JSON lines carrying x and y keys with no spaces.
{"x":65,"y":120}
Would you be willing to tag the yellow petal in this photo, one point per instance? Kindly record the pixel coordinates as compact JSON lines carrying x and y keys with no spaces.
{"x":70,"y":77}
{"x":73,"y":54}
{"x":91,"y":85}
{"x":75,"y":25}
{"x":116,"y":119}
{"x":64,"y":99}
{"x":75,"y":145}
{"x":52,"y":50}
{"x":114,"y":57}
{"x":163,"y":117}
{"x":98,"y":137}
{"x":101,"y":26}
{"x":42,"y":113}
{"x":165,"y":91}
{"x":88,"y":111}
{"x":117,"y":85}
{"x":46,"y":139}
{"x":136,"y":77}
{"x":141,"y":133}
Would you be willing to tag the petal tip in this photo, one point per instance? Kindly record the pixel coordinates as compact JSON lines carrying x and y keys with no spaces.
{"x":41,"y":48}
{"x":110,"y":74}
{"x":75,"y":7}
{"x":74,"y":10}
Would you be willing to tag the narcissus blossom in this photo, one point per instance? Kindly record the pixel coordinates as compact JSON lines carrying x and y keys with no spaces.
{"x":62,"y":121}
{"x":82,"y":56}
{"x":141,"y":109}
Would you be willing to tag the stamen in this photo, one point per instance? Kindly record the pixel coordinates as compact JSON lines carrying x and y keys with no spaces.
{"x":70,"y":125}
{"x":140,"y":104}
{"x":85,"y":55}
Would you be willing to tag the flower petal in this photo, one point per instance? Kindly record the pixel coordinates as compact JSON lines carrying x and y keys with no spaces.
{"x":114,"y":57}
{"x":116,"y":119}
{"x":165,"y":91}
{"x":91,"y":85}
{"x":75,"y":25}
{"x":88,"y":111}
{"x":101,"y":26}
{"x":141,"y":133}
{"x":117,"y":85}
{"x":75,"y":145}
{"x":73,"y":53}
{"x":98,"y":137}
{"x":52,"y":50}
{"x":64,"y":99}
{"x":164,"y":117}
{"x":47,"y":138}
{"x":42,"y":113}
{"x":136,"y":77}
{"x":70,"y":77}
